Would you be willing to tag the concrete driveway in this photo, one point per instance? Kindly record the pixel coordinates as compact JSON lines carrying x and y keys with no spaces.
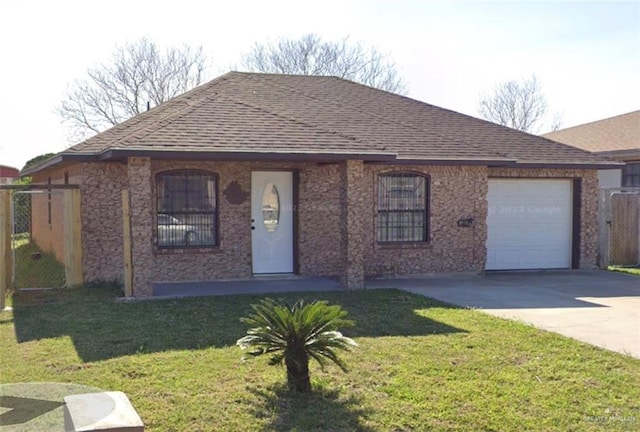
{"x":594,"y":306}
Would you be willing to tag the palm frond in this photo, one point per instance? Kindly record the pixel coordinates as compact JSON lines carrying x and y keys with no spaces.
{"x":295,"y":333}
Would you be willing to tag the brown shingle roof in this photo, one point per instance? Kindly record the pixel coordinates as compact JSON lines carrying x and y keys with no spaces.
{"x":291,"y":114}
{"x":612,"y":134}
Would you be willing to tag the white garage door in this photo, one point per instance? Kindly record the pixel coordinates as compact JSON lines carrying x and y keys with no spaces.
{"x":529,"y":224}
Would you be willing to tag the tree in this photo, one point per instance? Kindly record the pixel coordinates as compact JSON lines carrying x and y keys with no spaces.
{"x":295,"y":334}
{"x":139,"y":75}
{"x":519,"y":105}
{"x":310,"y":55}
{"x":36,"y":160}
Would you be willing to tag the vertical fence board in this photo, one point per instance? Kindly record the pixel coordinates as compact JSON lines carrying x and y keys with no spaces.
{"x":73,"y":237}
{"x":625,"y":225}
{"x":620,"y":227}
{"x":126,"y":230}
{"x":6,"y":267}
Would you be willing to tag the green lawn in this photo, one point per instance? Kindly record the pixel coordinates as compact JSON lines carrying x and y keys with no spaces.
{"x":629,"y":270}
{"x":34,"y":268}
{"x":420,"y":365}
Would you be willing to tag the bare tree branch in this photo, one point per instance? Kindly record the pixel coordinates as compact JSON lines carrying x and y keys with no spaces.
{"x":556,"y":123}
{"x":138,"y":74}
{"x":519,"y":105}
{"x":310,"y":55}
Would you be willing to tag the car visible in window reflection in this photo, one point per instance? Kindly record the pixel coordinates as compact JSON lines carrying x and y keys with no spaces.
{"x":173,"y":232}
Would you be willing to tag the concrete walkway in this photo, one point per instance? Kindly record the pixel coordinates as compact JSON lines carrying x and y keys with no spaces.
{"x":598,"y":307}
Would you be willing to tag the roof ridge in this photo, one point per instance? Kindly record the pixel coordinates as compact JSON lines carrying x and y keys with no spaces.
{"x":354,"y":107}
{"x":145,"y":129}
{"x":474,"y":119}
{"x":181,"y":98}
{"x":299,"y":121}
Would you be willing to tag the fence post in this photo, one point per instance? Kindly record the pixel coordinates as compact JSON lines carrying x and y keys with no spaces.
{"x":603,"y":229}
{"x":73,"y":237}
{"x":6,"y":266}
{"x":126,"y":235}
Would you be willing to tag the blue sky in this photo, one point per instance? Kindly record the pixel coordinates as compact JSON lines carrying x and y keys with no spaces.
{"x":586,"y":55}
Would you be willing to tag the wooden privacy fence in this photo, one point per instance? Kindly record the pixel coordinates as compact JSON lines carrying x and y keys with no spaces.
{"x":66,"y":247}
{"x":620,"y":227}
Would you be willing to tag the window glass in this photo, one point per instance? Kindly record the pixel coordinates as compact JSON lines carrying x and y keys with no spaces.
{"x":270,"y":207}
{"x":631,"y":175}
{"x":186,"y":209}
{"x":402,"y":208}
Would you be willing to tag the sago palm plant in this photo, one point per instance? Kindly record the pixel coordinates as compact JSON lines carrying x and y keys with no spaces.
{"x":296,"y":333}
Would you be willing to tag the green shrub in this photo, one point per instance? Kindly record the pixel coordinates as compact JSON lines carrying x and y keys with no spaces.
{"x":295,"y":334}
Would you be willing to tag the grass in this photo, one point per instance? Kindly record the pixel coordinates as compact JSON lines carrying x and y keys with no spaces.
{"x":35,"y":268}
{"x":629,"y":270}
{"x":420,"y":365}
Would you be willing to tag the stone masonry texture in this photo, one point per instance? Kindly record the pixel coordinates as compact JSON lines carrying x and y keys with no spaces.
{"x":353,"y":206}
{"x":454,"y":193}
{"x":141,"y":208}
{"x":336,"y":214}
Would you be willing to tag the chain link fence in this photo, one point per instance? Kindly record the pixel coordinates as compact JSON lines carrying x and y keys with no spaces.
{"x":619,"y":227}
{"x":37,"y":240}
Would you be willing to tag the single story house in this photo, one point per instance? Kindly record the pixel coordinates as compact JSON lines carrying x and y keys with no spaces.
{"x":617,"y":138}
{"x":253,"y":174}
{"x":8,"y":174}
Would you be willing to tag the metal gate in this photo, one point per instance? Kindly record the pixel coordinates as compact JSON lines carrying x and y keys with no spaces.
{"x":619,"y":227}
{"x":40,"y":237}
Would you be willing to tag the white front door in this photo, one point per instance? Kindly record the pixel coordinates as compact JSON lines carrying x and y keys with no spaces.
{"x":529,"y":224}
{"x":272,"y":221}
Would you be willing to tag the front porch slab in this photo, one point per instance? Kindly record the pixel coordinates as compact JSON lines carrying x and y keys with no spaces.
{"x":257,"y":285}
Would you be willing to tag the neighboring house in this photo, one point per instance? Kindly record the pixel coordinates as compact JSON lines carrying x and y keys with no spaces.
{"x":255,"y":174}
{"x":616,"y":138}
{"x":8,"y":175}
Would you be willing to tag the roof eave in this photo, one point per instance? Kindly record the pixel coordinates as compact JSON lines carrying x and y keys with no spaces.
{"x":121,"y":154}
{"x":621,"y":154}
{"x":560,"y":165}
{"x":446,"y":161}
{"x":57,"y":160}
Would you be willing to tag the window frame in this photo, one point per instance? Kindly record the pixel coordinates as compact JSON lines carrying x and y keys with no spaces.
{"x":426,"y":212}
{"x":214,"y":212}
{"x":631,"y":174}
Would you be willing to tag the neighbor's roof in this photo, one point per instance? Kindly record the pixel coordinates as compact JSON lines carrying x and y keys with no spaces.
{"x":267,"y":116}
{"x":619,"y":133}
{"x":10,"y":172}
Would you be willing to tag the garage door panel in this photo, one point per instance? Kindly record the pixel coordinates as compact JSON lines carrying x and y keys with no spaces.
{"x":532,"y":236}
{"x":519,"y":259}
{"x":529,"y":224}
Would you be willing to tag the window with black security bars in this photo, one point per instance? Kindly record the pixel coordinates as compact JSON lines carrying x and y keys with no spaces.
{"x":403,"y":207}
{"x":187,"y":209}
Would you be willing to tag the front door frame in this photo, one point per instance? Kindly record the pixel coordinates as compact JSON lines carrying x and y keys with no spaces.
{"x":295,"y":197}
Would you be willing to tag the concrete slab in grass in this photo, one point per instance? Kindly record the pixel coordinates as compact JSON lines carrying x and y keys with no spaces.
{"x":106,"y":411}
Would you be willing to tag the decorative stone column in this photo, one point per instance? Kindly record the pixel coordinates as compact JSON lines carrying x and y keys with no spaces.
{"x":352,"y":216}
{"x":139,"y":170}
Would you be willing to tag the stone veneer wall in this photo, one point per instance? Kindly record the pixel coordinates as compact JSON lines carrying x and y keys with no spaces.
{"x":142,"y":218}
{"x":101,"y":192}
{"x":319,"y":224}
{"x":455,"y":192}
{"x":589,"y":204}
{"x":319,"y":234}
{"x":355,"y":195}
